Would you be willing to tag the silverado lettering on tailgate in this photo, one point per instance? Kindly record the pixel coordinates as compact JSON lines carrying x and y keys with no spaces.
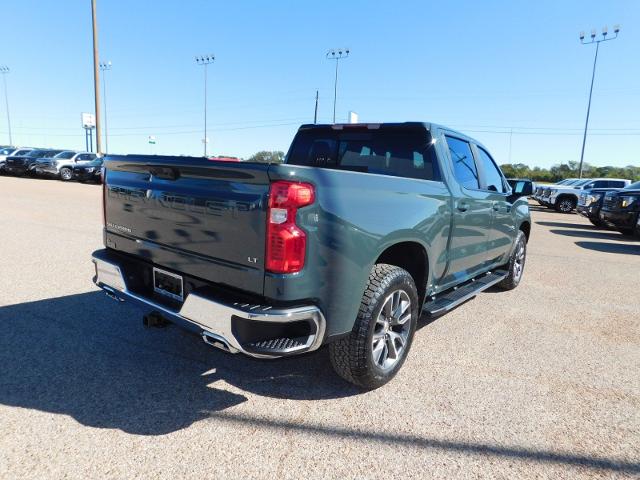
{"x":205,"y":206}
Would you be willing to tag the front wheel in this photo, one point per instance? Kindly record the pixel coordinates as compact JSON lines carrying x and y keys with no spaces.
{"x":378,"y":345}
{"x":565,"y":205}
{"x":596,"y":222}
{"x":65,"y":174}
{"x":626,"y":231}
{"x":516,"y":263}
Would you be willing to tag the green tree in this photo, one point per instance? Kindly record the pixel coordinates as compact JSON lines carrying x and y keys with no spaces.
{"x":266,"y":156}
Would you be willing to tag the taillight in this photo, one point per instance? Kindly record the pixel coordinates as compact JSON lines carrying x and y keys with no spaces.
{"x":286,"y":242}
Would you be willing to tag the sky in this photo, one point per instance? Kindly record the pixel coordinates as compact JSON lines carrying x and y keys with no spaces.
{"x":511,"y":74}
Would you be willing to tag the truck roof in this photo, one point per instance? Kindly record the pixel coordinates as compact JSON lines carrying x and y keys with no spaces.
{"x":378,"y":125}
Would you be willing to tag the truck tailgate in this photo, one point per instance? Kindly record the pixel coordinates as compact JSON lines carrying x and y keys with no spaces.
{"x":195,"y":216}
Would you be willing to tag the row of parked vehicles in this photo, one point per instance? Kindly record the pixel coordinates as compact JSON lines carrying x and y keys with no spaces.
{"x":607,"y":202}
{"x":46,"y":162}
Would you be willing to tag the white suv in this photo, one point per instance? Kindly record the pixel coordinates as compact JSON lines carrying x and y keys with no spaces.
{"x":565,"y":198}
{"x":62,"y":164}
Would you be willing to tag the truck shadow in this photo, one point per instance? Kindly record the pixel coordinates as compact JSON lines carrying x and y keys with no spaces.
{"x":593,"y":234}
{"x":621,"y":248}
{"x":88,"y":357}
{"x":570,"y":225}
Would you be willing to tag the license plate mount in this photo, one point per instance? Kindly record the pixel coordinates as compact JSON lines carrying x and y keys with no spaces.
{"x":168,"y":284}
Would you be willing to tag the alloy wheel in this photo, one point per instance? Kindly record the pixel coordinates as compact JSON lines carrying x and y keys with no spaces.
{"x":391,"y":330}
{"x":566,"y":206}
{"x":518,"y":262}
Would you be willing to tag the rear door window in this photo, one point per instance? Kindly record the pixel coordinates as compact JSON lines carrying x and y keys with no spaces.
{"x":464,"y":167}
{"x":492,"y":175}
{"x":395,"y":152}
{"x":616,"y":184}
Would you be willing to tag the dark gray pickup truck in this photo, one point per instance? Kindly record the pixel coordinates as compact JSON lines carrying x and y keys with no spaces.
{"x":361,"y":230}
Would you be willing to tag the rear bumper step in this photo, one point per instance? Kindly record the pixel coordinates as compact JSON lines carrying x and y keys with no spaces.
{"x":230,"y":327}
{"x":451,"y":299}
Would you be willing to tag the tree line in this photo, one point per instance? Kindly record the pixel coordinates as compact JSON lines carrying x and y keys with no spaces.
{"x":568,"y":170}
{"x":515,"y":170}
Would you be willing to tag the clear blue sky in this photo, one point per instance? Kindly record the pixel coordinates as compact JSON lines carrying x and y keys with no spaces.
{"x":480,"y":67}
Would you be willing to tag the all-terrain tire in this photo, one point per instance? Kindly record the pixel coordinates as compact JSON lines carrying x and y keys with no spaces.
{"x":352,"y":357}
{"x":516,"y":263}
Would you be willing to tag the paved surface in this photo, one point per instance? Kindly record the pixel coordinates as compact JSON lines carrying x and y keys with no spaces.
{"x":543,"y":381}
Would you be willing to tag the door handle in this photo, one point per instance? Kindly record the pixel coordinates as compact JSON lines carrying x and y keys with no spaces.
{"x":496,"y":206}
{"x":462,"y":206}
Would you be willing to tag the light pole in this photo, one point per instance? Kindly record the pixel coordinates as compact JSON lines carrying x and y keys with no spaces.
{"x":104,"y":67}
{"x":205,"y":60}
{"x":616,"y":29}
{"x":4,"y":70}
{"x":96,"y":75}
{"x":336,"y":54}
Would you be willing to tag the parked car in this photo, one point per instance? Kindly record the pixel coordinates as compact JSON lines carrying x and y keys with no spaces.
{"x":542,"y":191}
{"x":521,"y":187}
{"x":88,"y":172}
{"x":564,"y":198}
{"x":590,"y":203}
{"x":49,"y":154}
{"x":61,"y":166}
{"x":19,"y":164}
{"x":621,"y":209}
{"x":11,"y":151}
{"x":361,"y":229}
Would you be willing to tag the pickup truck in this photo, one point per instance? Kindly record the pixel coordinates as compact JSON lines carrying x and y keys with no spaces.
{"x":542,"y":192}
{"x":621,"y":210}
{"x":361,"y":230}
{"x":565,"y":198}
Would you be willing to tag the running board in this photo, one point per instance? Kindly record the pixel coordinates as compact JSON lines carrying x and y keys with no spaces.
{"x":443,"y":303}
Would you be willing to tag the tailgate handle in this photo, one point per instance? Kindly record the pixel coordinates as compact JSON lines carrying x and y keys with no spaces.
{"x":166,"y":173}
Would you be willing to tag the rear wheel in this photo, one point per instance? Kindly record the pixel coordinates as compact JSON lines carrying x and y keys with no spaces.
{"x":383,"y":332}
{"x":565,"y":205}
{"x":65,"y":174}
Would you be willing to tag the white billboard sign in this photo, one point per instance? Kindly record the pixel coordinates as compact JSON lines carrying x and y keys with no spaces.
{"x":88,"y":120}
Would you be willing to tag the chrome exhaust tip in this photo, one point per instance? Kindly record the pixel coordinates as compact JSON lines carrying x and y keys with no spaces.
{"x":217,"y":341}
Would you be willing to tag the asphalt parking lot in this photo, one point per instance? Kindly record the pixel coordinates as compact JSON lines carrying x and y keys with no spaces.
{"x":542,"y":381}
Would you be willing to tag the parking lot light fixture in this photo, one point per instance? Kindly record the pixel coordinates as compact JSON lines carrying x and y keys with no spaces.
{"x":4,"y":70}
{"x":205,"y":60}
{"x":104,"y":66}
{"x":336,"y":54}
{"x":597,"y":41}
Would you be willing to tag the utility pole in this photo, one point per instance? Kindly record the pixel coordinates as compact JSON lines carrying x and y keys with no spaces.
{"x":96,"y":75}
{"x":4,"y":70}
{"x":336,"y":54}
{"x":315,"y":114}
{"x":104,"y":67}
{"x":616,"y":29}
{"x":205,"y":60}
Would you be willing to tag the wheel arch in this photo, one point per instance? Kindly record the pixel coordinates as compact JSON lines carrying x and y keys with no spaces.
{"x":525,"y":227}
{"x":412,"y":256}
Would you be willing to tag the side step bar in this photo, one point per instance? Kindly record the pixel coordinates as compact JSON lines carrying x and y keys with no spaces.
{"x":452,"y":298}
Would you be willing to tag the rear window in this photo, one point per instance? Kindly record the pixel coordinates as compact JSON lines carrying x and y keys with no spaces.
{"x":399,"y":153}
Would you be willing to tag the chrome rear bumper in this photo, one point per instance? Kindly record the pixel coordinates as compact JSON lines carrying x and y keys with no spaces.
{"x":213,"y":320}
